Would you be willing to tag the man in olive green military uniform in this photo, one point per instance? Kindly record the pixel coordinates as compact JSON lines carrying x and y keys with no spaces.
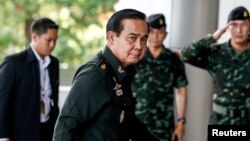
{"x":159,"y":73}
{"x":229,"y":66}
{"x":101,"y":105}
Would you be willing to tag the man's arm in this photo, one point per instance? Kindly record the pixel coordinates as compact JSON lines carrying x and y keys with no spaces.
{"x":80,"y":107}
{"x":197,"y":52}
{"x":7,"y":78}
{"x":181,"y":103}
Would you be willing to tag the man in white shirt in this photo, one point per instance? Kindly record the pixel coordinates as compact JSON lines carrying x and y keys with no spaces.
{"x":29,"y":83}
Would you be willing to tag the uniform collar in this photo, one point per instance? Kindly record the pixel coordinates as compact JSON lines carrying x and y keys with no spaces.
{"x":163,"y":53}
{"x":120,"y":71}
{"x":231,"y":50}
{"x":228,"y":46}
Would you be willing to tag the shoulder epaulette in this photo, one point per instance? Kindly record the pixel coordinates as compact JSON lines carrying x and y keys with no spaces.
{"x":103,"y":64}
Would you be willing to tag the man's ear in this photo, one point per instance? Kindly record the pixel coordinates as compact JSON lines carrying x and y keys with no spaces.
{"x":110,"y":38}
{"x":34,"y":36}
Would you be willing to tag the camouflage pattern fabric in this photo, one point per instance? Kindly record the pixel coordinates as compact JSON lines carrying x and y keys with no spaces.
{"x":153,"y":87}
{"x":231,"y":77}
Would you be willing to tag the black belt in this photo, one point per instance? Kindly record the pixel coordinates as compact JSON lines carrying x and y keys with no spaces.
{"x":233,"y":113}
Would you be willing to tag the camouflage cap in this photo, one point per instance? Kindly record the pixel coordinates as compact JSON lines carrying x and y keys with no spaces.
{"x":239,"y":13}
{"x":156,"y":21}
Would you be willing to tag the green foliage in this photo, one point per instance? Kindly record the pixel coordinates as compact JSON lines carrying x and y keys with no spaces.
{"x":81,"y":23}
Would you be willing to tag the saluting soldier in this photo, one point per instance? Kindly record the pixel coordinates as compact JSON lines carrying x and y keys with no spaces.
{"x":100,"y":105}
{"x":158,"y":74}
{"x":228,"y":64}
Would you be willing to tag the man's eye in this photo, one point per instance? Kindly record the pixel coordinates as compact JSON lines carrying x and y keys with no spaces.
{"x":144,"y":39}
{"x":132,"y":39}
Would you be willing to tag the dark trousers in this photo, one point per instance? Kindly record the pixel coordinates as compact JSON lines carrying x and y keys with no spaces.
{"x":46,"y":130}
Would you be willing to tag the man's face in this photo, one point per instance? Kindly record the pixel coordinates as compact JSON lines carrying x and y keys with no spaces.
{"x":239,"y":30}
{"x":45,"y":43}
{"x":156,"y":37}
{"x":130,"y":46}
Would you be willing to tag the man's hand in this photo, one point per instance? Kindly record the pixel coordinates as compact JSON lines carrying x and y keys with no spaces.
{"x":217,"y":34}
{"x":179,"y":132}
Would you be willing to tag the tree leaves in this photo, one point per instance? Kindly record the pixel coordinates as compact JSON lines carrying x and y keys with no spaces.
{"x":81,"y":24}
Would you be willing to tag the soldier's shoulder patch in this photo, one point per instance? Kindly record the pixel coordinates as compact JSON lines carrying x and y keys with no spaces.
{"x":103,"y":65}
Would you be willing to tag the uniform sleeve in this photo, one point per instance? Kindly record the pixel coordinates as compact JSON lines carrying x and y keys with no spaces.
{"x":197,"y":53}
{"x":80,"y":107}
{"x":7,"y":79}
{"x":180,"y":79}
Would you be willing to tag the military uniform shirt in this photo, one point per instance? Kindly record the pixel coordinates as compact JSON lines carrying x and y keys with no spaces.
{"x":100,"y":105}
{"x":230,"y":73}
{"x":154,"y":84}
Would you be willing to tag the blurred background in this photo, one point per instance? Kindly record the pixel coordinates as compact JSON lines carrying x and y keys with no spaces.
{"x":82,"y":34}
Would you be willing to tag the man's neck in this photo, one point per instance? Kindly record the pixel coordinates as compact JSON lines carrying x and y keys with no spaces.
{"x":155,"y":51}
{"x":240,"y":47}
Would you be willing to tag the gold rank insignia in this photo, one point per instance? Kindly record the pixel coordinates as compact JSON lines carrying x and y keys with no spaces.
{"x":161,"y":22}
{"x":119,"y":92}
{"x":120,"y":70}
{"x":122,"y":116}
{"x":117,"y":88}
{"x":245,"y":14}
{"x":103,"y":66}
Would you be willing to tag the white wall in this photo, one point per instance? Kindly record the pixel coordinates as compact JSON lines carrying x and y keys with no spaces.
{"x":192,"y":20}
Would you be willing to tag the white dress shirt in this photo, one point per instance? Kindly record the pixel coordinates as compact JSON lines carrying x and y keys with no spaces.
{"x":45,"y":86}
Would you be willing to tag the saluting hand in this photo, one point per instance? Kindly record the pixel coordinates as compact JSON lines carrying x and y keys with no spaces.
{"x":217,"y":34}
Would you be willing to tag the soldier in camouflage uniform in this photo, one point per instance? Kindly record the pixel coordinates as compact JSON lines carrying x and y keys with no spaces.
{"x":229,"y":65}
{"x":157,"y":74}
